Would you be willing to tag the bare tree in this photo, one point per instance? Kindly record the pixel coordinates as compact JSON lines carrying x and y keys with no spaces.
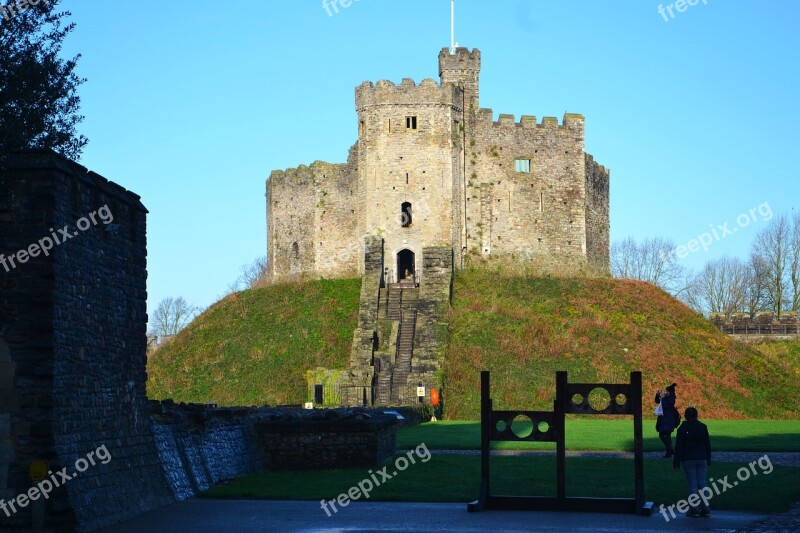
{"x":252,"y":276}
{"x":794,"y":261}
{"x":255,"y":274}
{"x":755,"y":294}
{"x":652,"y":260}
{"x":171,"y":316}
{"x":721,"y":287}
{"x":773,"y":245}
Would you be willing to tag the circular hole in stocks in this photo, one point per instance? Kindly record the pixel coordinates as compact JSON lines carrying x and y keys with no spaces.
{"x":522,"y":426}
{"x":599,"y":399}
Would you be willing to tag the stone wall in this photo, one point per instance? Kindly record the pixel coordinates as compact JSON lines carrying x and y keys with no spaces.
{"x":433,"y":307}
{"x":762,"y":325}
{"x":74,"y":323}
{"x":598,"y":228}
{"x":327,"y":440}
{"x":358,"y":380}
{"x":536,"y":216}
{"x":200,"y":447}
{"x":313,"y":221}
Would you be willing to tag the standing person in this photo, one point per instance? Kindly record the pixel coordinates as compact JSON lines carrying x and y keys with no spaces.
{"x":665,"y":424}
{"x":693,"y":450}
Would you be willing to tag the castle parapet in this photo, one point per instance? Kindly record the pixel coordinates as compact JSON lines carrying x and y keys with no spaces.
{"x":384,"y":92}
{"x":570,"y":121}
{"x":463,"y":59}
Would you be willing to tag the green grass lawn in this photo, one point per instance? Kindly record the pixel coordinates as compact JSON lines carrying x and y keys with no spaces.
{"x":614,"y":434}
{"x":453,"y":478}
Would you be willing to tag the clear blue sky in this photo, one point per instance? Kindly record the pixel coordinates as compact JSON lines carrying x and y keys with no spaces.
{"x":191,"y":104}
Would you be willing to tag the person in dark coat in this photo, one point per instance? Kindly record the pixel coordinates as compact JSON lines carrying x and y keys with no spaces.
{"x":693,"y":451}
{"x":665,"y":424}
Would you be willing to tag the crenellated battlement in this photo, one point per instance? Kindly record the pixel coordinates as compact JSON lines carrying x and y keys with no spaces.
{"x":462,"y":60}
{"x":571,"y":121}
{"x":591,"y":162}
{"x":385,"y":92}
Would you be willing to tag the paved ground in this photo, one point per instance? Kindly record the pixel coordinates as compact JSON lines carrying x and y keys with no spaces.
{"x":199,"y":516}
{"x":231,"y":516}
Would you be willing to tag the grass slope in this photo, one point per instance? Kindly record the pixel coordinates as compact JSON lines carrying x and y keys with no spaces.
{"x":253,"y":347}
{"x":523,"y":330}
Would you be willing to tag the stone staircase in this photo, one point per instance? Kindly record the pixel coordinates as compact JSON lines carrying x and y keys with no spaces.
{"x":394,"y":301}
{"x":383,"y":385}
{"x":397,"y":345}
{"x":405,"y":350}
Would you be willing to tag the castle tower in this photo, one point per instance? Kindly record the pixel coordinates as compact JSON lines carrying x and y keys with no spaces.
{"x":409,"y":150}
{"x":462,"y":69}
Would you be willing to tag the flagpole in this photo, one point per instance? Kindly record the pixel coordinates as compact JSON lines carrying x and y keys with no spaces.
{"x":452,"y":26}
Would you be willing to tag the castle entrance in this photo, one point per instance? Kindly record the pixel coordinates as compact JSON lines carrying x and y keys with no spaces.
{"x":405,"y":265}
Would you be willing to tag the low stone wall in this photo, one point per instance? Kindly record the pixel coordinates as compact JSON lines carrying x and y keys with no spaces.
{"x":327,"y":439}
{"x":199,"y":447}
{"x":763,"y":325}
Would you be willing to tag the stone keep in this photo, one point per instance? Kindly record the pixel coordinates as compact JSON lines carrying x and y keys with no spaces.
{"x":432,"y":169}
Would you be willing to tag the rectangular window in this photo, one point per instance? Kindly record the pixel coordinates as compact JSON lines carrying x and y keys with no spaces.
{"x":523,"y":166}
{"x":411,"y":123}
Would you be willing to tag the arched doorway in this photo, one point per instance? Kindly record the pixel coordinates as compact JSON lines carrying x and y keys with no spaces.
{"x":405,"y":265}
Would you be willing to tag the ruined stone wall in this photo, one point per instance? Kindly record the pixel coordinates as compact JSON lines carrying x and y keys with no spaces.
{"x":536,"y":217}
{"x":291,"y":201}
{"x":598,"y":230}
{"x":200,"y":447}
{"x":408,"y":152}
{"x":312,"y":221}
{"x":74,"y":321}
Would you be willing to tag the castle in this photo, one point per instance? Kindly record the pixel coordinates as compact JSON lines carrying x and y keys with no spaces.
{"x":432,"y":184}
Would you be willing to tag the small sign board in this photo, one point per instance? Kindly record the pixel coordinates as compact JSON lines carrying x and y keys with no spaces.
{"x":421,"y":392}
{"x":38,"y":470}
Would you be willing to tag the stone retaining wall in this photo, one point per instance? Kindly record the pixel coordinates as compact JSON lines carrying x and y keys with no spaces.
{"x":327,"y":442}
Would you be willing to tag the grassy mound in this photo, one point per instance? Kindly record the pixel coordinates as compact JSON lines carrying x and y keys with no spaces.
{"x":523,"y":330}
{"x":254,"y":347}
